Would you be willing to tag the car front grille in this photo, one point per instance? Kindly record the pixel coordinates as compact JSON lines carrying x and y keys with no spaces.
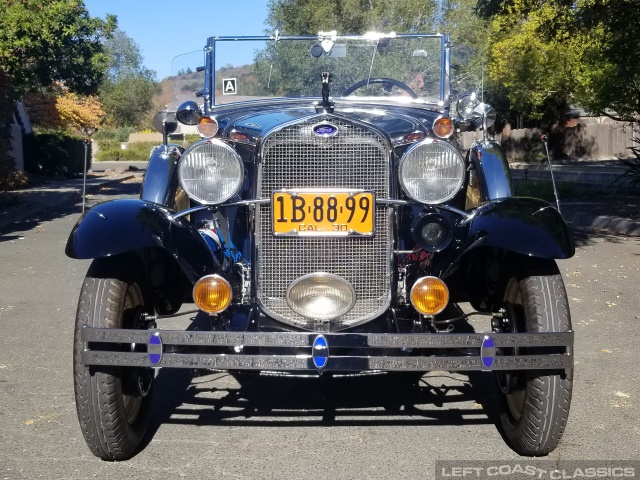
{"x":356,"y":158}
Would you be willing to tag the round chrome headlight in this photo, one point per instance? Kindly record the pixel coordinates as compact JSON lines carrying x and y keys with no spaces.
{"x":211,"y":172}
{"x":431,"y":172}
{"x":321,"y":296}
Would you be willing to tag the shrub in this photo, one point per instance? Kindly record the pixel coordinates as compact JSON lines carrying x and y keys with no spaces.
{"x":632,"y":173}
{"x":111,"y":150}
{"x":55,"y":154}
{"x":533,"y":149}
{"x":119,"y":134}
{"x":13,"y":181}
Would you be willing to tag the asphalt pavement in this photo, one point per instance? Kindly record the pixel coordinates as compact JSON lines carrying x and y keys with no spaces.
{"x":27,"y":205}
{"x":218,"y":426}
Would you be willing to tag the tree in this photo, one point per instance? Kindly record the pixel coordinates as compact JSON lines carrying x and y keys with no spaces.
{"x":298,"y":17}
{"x":44,"y":42}
{"x":609,"y":82}
{"x":551,"y":54}
{"x":60,"y":109}
{"x":530,"y":61}
{"x":83,"y":114}
{"x":129,"y":87}
{"x":124,"y":58}
{"x":128,"y":101}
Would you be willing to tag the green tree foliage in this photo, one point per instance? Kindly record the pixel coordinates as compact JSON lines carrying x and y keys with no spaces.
{"x":298,"y":17}
{"x":46,"y":42}
{"x":128,"y":90}
{"x":550,"y":54}
{"x":128,"y":101}
{"x":609,"y":82}
{"x":536,"y":67}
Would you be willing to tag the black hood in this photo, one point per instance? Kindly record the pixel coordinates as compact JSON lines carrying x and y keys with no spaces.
{"x":256,"y":119}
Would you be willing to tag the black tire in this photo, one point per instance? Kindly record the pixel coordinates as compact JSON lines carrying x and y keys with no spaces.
{"x":113,"y":404}
{"x":535,"y":404}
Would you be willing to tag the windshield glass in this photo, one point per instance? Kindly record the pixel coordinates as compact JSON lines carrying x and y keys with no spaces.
{"x":396,"y":68}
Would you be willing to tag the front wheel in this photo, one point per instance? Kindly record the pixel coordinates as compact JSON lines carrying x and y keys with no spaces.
{"x":535,"y":404}
{"x":113,"y":404}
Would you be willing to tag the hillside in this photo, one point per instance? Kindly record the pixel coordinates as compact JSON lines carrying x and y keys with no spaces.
{"x":179,"y":88}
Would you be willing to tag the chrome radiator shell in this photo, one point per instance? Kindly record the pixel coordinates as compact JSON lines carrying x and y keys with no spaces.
{"x":358,"y":157}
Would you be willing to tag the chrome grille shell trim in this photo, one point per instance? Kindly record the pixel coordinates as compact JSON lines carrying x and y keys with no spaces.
{"x":292,"y":157}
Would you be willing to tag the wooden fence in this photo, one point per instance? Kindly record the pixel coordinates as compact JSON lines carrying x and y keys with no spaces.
{"x":583,"y":141}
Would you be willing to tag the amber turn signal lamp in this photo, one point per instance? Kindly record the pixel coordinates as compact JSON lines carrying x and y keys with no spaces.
{"x":429,"y":295}
{"x":212,"y":294}
{"x":207,"y":127}
{"x":443,"y":127}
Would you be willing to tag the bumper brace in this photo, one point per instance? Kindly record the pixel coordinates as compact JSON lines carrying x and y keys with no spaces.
{"x":416,"y":352}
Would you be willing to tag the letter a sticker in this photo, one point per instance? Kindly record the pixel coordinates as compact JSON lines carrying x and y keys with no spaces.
{"x":229,"y":86}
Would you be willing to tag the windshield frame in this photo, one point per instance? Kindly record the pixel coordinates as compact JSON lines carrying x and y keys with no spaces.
{"x":445,"y":48}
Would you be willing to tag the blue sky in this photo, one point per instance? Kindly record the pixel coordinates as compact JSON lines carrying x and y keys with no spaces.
{"x":163,"y":29}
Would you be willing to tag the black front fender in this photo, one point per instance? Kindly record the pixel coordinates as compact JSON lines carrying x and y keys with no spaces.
{"x":121,"y":226}
{"x":492,"y":167}
{"x":160,"y":180}
{"x":527,"y":226}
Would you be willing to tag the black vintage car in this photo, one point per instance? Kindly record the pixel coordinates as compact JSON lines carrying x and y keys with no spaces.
{"x":326,"y":223}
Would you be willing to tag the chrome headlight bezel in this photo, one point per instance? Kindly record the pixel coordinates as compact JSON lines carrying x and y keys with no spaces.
{"x":425,"y":151}
{"x":219,"y":152}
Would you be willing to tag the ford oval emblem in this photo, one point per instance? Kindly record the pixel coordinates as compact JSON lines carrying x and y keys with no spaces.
{"x":488,"y":351}
{"x":325,"y":130}
{"x":320,"y":351}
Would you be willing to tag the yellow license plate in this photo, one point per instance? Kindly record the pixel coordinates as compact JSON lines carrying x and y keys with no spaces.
{"x":323,"y":212}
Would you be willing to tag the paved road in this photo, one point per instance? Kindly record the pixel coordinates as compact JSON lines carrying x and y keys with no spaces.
{"x":213,"y":426}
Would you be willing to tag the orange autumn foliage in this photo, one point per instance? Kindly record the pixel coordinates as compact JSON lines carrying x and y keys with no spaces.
{"x":58,"y":108}
{"x":82,"y":114}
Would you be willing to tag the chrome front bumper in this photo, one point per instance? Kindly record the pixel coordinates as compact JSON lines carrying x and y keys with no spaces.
{"x":415,"y":352}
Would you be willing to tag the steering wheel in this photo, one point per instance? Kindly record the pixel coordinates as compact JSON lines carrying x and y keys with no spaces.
{"x":389,"y":82}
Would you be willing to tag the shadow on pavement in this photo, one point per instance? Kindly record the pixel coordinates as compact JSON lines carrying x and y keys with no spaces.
{"x":43,"y":206}
{"x":395,"y":399}
{"x":584,"y":237}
